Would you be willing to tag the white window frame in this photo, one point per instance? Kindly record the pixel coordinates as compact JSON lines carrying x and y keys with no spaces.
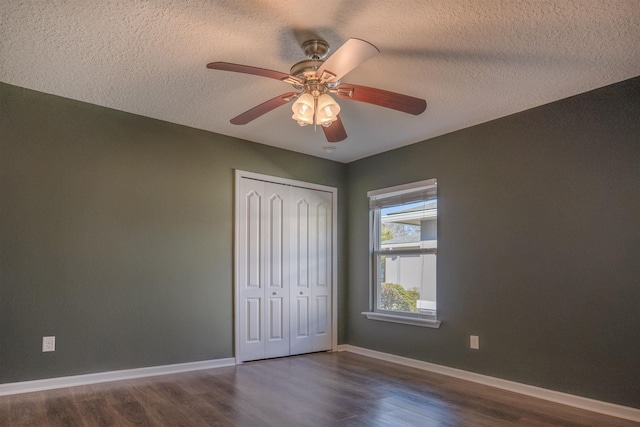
{"x":396,"y":195}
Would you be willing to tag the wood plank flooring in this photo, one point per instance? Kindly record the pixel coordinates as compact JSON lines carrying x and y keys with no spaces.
{"x":323,"y":389}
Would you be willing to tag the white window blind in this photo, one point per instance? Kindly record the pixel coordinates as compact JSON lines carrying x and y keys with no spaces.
{"x":403,"y":194}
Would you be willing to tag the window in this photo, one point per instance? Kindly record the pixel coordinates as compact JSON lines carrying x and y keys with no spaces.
{"x":404,"y":247}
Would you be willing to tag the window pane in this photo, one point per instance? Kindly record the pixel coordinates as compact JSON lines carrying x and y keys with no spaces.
{"x":407,"y":283}
{"x":405,"y":277}
{"x":410,"y":226}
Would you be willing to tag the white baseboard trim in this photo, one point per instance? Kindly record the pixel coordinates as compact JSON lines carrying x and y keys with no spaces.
{"x":101,"y":377}
{"x":605,"y":408}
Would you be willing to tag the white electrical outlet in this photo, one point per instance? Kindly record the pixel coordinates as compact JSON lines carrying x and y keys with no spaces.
{"x":48,"y":344}
{"x":474,"y":342}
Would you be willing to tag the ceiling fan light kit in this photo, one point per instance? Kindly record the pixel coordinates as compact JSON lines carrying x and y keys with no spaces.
{"x":315,"y":78}
{"x":320,"y":110}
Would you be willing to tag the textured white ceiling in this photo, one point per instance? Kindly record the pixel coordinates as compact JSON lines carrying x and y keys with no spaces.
{"x":473,"y":60}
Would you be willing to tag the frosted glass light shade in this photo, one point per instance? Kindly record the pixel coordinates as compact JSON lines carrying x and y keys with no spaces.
{"x":303,"y":110}
{"x":328,"y":110}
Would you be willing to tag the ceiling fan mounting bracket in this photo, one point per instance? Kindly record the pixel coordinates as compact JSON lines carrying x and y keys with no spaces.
{"x":315,"y":49}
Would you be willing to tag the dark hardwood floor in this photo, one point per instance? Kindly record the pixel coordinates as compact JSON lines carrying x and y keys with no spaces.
{"x":323,"y":389}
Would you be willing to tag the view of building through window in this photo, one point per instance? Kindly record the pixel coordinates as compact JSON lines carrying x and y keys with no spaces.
{"x":408,"y":279}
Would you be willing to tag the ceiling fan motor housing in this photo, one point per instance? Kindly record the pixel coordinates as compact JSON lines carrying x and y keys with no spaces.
{"x":306,"y":69}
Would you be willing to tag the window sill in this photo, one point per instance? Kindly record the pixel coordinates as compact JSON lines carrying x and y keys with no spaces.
{"x":415,"y":321}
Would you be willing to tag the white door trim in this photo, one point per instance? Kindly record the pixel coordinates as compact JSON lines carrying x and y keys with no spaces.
{"x":240,"y":174}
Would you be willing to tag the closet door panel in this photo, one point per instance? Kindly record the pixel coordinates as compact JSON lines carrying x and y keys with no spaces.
{"x":250,"y":283}
{"x":321,"y":278}
{"x":276,"y":270}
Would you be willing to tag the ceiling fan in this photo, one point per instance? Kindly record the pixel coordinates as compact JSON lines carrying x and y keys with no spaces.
{"x":315,"y":78}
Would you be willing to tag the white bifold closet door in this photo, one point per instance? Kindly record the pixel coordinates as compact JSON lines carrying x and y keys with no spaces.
{"x":284,"y":270}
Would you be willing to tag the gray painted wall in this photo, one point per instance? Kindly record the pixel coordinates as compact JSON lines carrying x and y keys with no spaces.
{"x":116,"y":236}
{"x":538,"y":246}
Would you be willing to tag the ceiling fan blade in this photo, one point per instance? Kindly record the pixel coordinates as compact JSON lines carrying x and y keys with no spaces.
{"x":247,"y":69}
{"x":351,"y":54}
{"x":335,"y":132}
{"x":263,"y":108}
{"x":383,"y":98}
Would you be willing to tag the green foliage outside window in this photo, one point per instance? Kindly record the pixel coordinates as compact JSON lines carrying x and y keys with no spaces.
{"x":395,"y":297}
{"x":386,"y":233}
